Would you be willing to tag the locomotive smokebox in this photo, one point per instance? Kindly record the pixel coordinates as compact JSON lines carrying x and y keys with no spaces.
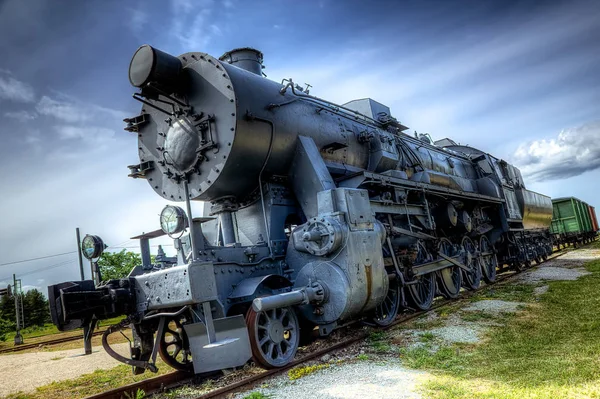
{"x":149,"y":65}
{"x":246,"y":58}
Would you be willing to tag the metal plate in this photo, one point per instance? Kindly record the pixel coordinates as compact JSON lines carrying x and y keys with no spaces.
{"x":231,"y":348}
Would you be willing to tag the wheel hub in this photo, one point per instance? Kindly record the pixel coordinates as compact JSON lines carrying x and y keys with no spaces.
{"x":276,"y":331}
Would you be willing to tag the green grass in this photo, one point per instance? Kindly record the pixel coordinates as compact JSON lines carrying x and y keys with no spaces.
{"x":257,"y":395}
{"x":474,"y":316}
{"x":379,"y":342}
{"x":507,"y":292}
{"x":49,"y":328}
{"x":550,"y":350}
{"x":139,"y":394}
{"x":39,"y":331}
{"x":428,"y":357}
{"x":427,"y":337}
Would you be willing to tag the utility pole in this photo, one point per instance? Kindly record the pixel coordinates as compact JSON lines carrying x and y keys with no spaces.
{"x":79,"y":254}
{"x":18,"y":295}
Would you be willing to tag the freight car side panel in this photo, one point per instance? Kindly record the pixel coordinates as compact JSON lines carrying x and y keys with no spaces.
{"x":585,"y":216}
{"x":568,"y":216}
{"x":593,"y":218}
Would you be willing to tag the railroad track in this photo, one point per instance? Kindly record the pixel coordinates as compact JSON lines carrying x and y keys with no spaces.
{"x":46,"y":343}
{"x":176,"y":379}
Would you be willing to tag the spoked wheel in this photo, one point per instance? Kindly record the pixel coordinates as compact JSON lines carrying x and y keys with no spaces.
{"x":174,"y":347}
{"x":421,"y":291}
{"x":450,"y":278}
{"x":386,"y":311}
{"x":472,"y":278}
{"x":489,"y":261}
{"x":274,"y":336}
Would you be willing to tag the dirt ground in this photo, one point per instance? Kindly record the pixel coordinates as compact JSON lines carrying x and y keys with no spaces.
{"x":26,"y":371}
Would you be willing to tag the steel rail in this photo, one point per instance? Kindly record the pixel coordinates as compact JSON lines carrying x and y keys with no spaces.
{"x":56,"y":341}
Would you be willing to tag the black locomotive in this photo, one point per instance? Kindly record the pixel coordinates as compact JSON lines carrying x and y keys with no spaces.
{"x":316,"y":214}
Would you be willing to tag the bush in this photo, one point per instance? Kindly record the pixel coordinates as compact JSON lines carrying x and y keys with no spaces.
{"x":5,"y":328}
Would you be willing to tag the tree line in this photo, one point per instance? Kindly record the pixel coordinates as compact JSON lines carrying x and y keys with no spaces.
{"x":35,"y":309}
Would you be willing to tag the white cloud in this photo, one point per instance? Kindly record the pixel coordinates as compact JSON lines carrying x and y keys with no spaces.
{"x":191,"y":24}
{"x":571,"y":153}
{"x":33,"y":137}
{"x":72,"y":110}
{"x":15,"y":90}
{"x":34,"y":287}
{"x":138,"y":20}
{"x":22,"y":116}
{"x":62,"y":110}
{"x":92,"y":134}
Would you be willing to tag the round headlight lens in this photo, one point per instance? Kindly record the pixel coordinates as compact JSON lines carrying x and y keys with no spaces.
{"x":172,"y":219}
{"x":92,"y":246}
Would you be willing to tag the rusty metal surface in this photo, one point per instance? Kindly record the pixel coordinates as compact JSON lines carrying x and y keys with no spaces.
{"x":149,"y":385}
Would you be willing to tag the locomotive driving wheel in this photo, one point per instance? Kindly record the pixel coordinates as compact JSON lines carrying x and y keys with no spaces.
{"x":274,"y":336}
{"x":174,"y":347}
{"x":472,"y":278}
{"x":489,"y":261}
{"x":421,"y":291}
{"x":386,"y":311}
{"x":450,"y":278}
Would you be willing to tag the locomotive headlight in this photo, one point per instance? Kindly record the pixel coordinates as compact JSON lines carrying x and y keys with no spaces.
{"x":92,"y":246}
{"x":172,"y":219}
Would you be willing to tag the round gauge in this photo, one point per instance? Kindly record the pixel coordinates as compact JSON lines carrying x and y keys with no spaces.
{"x":172,"y":219}
{"x":92,"y":246}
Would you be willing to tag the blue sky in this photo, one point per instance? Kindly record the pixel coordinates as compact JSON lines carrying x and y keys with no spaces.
{"x":519,"y":79}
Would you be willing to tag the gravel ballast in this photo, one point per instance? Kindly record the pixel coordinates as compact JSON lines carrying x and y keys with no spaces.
{"x":494,"y":306}
{"x":462,"y":334}
{"x":553,"y":273}
{"x":354,"y":380}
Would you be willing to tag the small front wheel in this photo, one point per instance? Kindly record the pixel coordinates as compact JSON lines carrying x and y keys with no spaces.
{"x":274,"y":336}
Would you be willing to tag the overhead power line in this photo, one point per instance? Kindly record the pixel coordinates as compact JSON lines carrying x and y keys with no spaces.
{"x":64,"y":263}
{"x":32,"y":259}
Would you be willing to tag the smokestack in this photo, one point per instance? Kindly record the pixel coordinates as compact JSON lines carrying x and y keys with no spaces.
{"x":246,"y":58}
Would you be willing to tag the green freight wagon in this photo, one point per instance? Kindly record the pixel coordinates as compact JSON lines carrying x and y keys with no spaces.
{"x":572,"y":222}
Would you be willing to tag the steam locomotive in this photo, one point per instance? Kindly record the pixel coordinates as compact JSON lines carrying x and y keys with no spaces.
{"x":316,"y":214}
